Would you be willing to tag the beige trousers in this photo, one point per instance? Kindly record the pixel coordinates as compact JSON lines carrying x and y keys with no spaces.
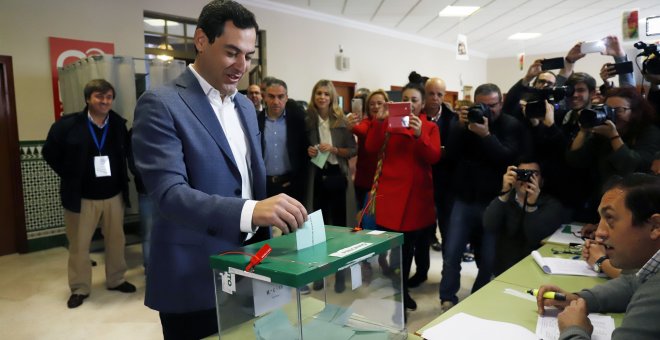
{"x":80,"y":229}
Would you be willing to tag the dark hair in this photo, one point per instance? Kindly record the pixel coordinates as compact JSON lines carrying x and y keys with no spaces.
{"x":486,"y":89}
{"x":274,"y":81}
{"x":217,"y":12}
{"x":415,"y":77}
{"x":415,"y":86}
{"x":642,"y":195}
{"x":363,"y":93}
{"x":98,"y":85}
{"x":529,"y":160}
{"x":581,"y":77}
{"x":656,"y":156}
{"x":641,"y":112}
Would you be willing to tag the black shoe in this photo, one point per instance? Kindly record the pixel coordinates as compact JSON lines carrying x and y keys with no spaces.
{"x":125,"y":287}
{"x":93,"y":263}
{"x":437,"y":246}
{"x":409,"y":303}
{"x":416,"y":280}
{"x":468,"y":257}
{"x":318,"y":285}
{"x":76,"y":300}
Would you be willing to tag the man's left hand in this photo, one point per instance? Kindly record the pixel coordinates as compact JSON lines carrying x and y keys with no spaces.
{"x":575,"y":315}
{"x":480,"y":130}
{"x":607,"y":130}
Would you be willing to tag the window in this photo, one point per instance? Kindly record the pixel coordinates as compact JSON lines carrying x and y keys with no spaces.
{"x":168,"y":37}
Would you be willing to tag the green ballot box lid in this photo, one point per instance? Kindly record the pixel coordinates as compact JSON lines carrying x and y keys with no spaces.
{"x":295,"y":268}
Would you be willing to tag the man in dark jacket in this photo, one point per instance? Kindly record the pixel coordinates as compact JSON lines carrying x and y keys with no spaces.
{"x":88,"y":151}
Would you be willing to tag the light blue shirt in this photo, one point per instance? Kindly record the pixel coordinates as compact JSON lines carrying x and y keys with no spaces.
{"x":276,"y":156}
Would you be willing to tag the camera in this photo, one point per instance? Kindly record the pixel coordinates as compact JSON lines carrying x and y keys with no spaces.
{"x":477,"y":112}
{"x":651,"y":64}
{"x":524,"y":175}
{"x":535,"y":98}
{"x":596,"y":115}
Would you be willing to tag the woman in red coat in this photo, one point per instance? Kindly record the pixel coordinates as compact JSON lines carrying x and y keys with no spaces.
{"x":404,"y":185}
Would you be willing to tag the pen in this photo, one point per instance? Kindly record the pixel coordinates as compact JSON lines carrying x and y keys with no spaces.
{"x":548,"y":295}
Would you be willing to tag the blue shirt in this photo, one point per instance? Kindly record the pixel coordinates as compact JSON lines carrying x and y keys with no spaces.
{"x":276,"y":156}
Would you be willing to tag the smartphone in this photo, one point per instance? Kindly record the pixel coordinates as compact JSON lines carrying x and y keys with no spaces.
{"x":357,"y":105}
{"x":623,"y":68}
{"x":552,"y":64}
{"x":596,"y":46}
{"x":399,"y":117}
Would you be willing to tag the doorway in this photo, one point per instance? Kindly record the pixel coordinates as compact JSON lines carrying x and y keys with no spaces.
{"x":13,"y":236}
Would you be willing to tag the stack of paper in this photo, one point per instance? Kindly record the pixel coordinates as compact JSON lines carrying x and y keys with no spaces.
{"x":555,"y":265}
{"x":467,"y":327}
{"x":547,"y":328}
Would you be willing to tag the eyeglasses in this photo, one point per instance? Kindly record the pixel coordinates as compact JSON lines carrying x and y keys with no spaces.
{"x":571,"y":249}
{"x":492,"y":106}
{"x":620,"y":109}
{"x":545,"y":82}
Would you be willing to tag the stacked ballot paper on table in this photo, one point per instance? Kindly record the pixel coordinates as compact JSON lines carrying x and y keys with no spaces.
{"x":467,"y":327}
{"x":555,"y":265}
{"x":548,"y":329}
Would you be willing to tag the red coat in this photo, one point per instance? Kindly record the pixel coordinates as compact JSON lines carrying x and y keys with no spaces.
{"x":404,"y":198}
{"x":366,"y":161}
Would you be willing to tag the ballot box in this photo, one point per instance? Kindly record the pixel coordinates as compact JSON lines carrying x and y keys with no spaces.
{"x":269,"y":302}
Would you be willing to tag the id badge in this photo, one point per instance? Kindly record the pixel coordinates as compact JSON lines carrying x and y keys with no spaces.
{"x":102,"y":166}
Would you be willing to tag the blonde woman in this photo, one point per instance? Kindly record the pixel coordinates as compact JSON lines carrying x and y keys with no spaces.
{"x":330,"y":188}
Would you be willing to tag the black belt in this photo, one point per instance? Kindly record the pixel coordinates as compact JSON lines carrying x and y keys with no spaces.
{"x":278,"y":179}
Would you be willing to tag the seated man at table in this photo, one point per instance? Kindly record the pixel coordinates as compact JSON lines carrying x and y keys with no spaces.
{"x":521,"y":216}
{"x":629,"y":229}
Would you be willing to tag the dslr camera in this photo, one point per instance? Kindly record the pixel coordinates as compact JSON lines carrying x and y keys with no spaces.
{"x":536,"y":98}
{"x":596,"y":115}
{"x":477,"y":112}
{"x":651,"y":64}
{"x":524,"y":175}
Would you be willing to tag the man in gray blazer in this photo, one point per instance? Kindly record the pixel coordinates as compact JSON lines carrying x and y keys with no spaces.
{"x":197,"y":146}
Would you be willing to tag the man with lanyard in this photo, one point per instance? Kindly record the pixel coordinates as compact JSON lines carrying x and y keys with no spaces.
{"x":88,"y":151}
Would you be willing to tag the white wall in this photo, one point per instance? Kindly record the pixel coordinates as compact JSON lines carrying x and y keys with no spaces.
{"x":300,"y":51}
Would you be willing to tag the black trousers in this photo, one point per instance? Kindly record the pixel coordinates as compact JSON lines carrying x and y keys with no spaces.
{"x":189,"y":326}
{"x":330,"y":195}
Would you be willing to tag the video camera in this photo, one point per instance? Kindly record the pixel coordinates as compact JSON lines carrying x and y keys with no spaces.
{"x":651,"y":64}
{"x":524,"y":175}
{"x":596,"y":115}
{"x":535,"y":98}
{"x":477,"y":112}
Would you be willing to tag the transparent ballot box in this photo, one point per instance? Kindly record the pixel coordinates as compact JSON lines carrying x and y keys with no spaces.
{"x":269,"y":301}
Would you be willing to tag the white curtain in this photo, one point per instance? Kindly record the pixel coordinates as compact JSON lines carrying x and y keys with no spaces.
{"x":160,"y":72}
{"x":119,"y":71}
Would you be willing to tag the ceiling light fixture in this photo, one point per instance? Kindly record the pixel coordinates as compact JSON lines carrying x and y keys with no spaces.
{"x":458,"y":11}
{"x":524,"y":36}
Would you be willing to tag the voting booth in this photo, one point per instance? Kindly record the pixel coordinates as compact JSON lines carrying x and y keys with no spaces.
{"x":266,"y":301}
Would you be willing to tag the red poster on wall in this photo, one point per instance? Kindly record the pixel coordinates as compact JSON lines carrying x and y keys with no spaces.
{"x":66,"y":51}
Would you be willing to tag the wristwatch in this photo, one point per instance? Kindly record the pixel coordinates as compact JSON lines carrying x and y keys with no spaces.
{"x":598,"y":265}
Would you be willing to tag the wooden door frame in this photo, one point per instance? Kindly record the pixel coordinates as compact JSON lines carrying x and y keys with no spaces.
{"x":16,"y":210}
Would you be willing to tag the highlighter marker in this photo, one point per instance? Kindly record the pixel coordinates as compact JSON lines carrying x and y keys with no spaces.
{"x":548,"y":295}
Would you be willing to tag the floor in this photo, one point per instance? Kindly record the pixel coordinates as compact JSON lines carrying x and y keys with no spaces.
{"x":33,"y":295}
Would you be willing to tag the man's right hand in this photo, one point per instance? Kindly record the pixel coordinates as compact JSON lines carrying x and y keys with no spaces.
{"x":280,"y":211}
{"x":509,"y":178}
{"x":462,"y":115}
{"x":541,"y":302}
{"x":533,"y":71}
{"x":312,"y":151}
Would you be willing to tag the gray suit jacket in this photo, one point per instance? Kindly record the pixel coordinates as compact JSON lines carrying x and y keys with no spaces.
{"x":190,"y":174}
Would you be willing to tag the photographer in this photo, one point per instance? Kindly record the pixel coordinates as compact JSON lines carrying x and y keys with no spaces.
{"x":482,"y":143}
{"x":542,"y":79}
{"x":618,"y":144}
{"x":520,"y":216}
